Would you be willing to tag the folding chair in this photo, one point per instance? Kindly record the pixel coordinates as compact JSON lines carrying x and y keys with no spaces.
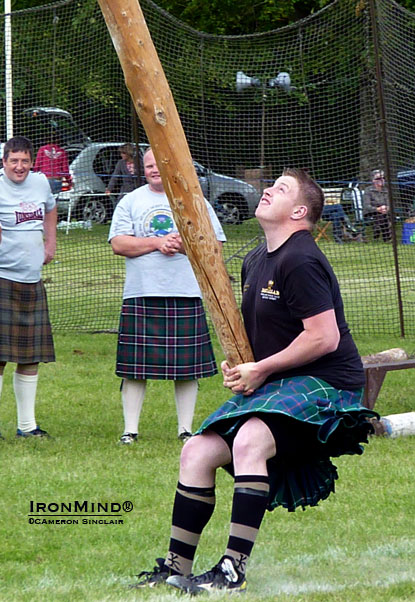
{"x":322,"y":228}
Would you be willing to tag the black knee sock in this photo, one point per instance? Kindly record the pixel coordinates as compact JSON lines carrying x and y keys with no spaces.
{"x":248,"y":508}
{"x":193,"y":507}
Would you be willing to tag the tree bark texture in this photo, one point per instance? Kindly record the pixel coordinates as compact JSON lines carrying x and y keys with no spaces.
{"x":154,"y":103}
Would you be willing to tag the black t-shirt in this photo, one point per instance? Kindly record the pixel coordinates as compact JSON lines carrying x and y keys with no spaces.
{"x":282,"y":288}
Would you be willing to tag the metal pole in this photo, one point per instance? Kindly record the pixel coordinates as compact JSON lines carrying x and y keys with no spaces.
{"x":262,"y":157}
{"x":8,"y":68}
{"x":136,"y":140}
{"x":384,"y":135}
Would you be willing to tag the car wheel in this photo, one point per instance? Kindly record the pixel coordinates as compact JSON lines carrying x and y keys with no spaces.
{"x":96,"y":210}
{"x":231,"y":211}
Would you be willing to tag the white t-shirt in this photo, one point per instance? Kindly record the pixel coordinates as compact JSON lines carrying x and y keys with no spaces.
{"x":144,"y":213}
{"x":22,"y":211}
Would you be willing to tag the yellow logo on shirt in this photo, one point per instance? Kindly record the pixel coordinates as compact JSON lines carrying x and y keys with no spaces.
{"x":269,"y":292}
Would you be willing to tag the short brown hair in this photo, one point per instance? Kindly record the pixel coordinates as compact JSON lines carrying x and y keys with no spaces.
{"x":18,"y":144}
{"x":311,"y":193}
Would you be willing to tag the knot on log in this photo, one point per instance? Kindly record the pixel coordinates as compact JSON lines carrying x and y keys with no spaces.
{"x":160,"y":116}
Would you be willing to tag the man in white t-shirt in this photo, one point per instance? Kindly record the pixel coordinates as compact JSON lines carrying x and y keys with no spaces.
{"x":163,"y":332}
{"x":28,"y":227}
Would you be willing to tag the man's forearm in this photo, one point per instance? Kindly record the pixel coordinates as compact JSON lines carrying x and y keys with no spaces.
{"x":49,"y":232}
{"x":303,"y":350}
{"x":132,"y":246}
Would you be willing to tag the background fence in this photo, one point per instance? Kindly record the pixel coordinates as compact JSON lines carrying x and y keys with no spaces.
{"x":333,"y":93}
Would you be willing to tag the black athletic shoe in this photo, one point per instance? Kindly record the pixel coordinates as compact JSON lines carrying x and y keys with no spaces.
{"x":153,"y":578}
{"x":37,"y":432}
{"x":224,"y":575}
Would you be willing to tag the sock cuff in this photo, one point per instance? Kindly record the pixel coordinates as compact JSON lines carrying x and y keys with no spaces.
{"x":252,"y":478}
{"x":200,"y":491}
{"x":28,"y":378}
{"x":252,"y":485}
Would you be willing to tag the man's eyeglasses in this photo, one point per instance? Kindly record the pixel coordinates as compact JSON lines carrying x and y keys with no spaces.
{"x":379,"y":178}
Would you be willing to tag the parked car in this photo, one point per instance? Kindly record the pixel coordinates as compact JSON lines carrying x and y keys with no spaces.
{"x":406,"y":187}
{"x":234,"y":200}
{"x":61,"y":123}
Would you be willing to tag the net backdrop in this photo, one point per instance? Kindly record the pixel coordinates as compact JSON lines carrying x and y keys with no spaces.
{"x":333,"y":93}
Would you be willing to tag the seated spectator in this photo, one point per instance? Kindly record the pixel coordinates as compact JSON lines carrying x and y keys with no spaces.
{"x":52,"y":160}
{"x":376,"y":205}
{"x":125,"y":177}
{"x":333,"y":212}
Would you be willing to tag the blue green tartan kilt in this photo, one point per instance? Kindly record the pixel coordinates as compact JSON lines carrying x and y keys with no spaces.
{"x":164,"y":338}
{"x":310,"y":415}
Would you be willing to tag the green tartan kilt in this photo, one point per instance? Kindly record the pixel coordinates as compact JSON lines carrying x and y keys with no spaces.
{"x":164,"y":338}
{"x":311,"y":422}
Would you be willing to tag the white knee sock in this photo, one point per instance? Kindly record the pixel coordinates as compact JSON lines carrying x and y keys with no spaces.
{"x":132,"y":395}
{"x":185,"y":392}
{"x":25,"y":386}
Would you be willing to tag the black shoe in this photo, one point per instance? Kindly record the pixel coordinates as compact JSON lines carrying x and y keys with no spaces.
{"x":37,"y":432}
{"x":153,"y":578}
{"x":224,"y":575}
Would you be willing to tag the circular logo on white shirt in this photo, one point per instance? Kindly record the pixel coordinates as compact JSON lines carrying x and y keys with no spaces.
{"x":159,"y":223}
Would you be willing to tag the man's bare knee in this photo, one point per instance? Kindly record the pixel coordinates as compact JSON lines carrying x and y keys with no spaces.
{"x":201,"y":456}
{"x":253,"y":443}
{"x":193,"y":451}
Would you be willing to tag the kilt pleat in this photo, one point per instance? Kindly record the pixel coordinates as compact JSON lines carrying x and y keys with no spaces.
{"x":25,"y":330}
{"x":164,"y":339}
{"x":332,"y":422}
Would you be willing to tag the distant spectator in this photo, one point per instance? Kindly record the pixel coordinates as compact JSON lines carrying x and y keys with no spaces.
{"x":125,"y":177}
{"x":376,"y":205}
{"x":52,"y":160}
{"x":334,"y":212}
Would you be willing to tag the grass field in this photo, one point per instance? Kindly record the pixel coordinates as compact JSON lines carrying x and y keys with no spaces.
{"x":359,"y":545}
{"x":85,"y":280}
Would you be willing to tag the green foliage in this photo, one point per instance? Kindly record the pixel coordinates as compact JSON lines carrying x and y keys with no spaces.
{"x":226,"y":17}
{"x":24,"y":4}
{"x":409,"y":4}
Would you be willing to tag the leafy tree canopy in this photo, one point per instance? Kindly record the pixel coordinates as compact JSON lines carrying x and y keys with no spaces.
{"x":245,"y":16}
{"x":21,"y":4}
{"x":228,"y":17}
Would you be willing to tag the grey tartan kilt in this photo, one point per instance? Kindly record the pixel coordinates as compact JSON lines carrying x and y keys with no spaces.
{"x":164,"y":338}
{"x":25,"y":330}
